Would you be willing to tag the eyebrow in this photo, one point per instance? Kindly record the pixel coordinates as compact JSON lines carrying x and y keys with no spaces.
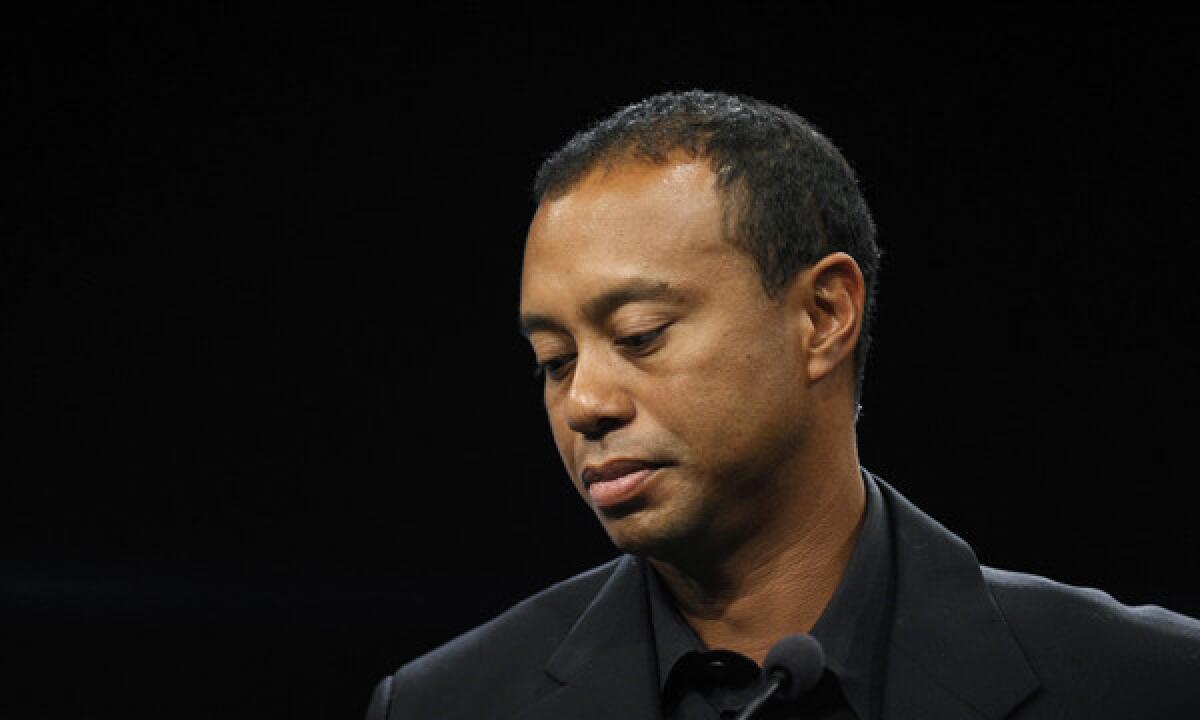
{"x":604,"y":304}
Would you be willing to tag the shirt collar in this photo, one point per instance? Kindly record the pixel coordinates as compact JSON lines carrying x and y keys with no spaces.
{"x":849,"y":629}
{"x":852,"y":629}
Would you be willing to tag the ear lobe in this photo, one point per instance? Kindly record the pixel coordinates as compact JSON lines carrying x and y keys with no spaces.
{"x":835,"y":306}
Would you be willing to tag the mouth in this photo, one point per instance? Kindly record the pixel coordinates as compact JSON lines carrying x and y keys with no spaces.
{"x":617,"y":481}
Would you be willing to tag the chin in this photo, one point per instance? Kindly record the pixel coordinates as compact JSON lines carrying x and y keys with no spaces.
{"x":648,"y":533}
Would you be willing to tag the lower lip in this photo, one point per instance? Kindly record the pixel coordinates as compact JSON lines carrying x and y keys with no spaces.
{"x":619,"y":490}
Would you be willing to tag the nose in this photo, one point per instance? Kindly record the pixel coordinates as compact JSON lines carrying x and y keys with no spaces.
{"x":597,"y":403}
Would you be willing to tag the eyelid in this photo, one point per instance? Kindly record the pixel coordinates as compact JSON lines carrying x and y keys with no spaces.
{"x":631,"y":341}
{"x":542,"y":369}
{"x":642,"y":338}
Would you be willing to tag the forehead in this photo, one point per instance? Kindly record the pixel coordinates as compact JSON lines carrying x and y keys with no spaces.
{"x":633,"y":220}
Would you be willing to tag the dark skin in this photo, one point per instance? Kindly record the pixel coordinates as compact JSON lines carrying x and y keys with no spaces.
{"x":661,"y":346}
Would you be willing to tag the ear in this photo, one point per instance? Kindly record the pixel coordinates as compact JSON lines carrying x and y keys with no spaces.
{"x":832,"y":293}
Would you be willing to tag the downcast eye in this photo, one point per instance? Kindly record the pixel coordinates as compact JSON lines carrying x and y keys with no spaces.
{"x":641,"y":340}
{"x":554,"y":368}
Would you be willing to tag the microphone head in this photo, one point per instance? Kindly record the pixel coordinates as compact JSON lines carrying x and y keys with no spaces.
{"x":800,"y":659}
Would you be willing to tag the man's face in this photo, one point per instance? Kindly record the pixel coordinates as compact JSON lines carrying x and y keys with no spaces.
{"x":672,"y":384}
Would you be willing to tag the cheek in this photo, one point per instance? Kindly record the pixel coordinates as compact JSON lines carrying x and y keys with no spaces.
{"x":727,"y":400}
{"x":563,"y":440}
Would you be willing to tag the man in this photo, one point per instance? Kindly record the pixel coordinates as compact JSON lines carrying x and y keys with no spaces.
{"x":697,"y":289}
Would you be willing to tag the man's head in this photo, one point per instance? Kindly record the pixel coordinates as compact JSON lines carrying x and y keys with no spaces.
{"x":693,"y":378}
{"x":788,"y":195}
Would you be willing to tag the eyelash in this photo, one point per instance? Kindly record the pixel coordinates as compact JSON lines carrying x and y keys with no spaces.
{"x":635,"y":343}
{"x":641,"y":340}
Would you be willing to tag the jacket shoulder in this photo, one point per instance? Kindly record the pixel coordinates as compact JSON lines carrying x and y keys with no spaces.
{"x":496,"y":665}
{"x":1083,"y":642}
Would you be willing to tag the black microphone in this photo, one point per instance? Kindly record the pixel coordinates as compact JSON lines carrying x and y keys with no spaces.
{"x":793,"y":666}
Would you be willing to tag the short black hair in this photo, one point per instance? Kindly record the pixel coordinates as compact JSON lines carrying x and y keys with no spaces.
{"x":789,"y":196}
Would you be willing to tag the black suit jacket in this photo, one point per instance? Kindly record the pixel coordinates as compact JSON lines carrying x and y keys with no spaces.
{"x":965,"y":642}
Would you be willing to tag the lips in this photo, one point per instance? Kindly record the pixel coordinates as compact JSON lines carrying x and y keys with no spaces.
{"x":614,"y":469}
{"x":617,"y":481}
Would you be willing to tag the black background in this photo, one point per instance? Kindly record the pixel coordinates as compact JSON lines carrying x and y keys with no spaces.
{"x":270,"y":430}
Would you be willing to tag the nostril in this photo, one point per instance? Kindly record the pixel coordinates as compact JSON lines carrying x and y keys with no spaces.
{"x":600,"y":427}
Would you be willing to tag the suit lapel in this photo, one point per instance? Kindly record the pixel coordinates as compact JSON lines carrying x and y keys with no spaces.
{"x":951,"y":651}
{"x":606,"y":664}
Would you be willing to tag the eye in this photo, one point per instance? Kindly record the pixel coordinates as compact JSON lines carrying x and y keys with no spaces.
{"x":554,"y":368}
{"x":642,"y":341}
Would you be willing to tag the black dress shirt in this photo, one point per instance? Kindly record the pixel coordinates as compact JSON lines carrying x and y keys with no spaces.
{"x":697,"y":683}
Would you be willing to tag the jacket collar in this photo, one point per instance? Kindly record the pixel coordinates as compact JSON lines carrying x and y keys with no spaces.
{"x":606,"y":663}
{"x":950,"y":648}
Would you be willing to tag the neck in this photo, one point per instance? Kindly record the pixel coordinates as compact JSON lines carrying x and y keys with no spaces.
{"x":778,"y":579}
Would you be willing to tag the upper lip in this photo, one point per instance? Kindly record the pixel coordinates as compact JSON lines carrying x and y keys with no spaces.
{"x":615,"y":468}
